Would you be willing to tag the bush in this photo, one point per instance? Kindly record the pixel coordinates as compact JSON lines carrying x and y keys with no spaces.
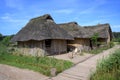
{"x":111,"y":44}
{"x":117,"y":40}
{"x":112,"y":61}
{"x":98,"y":50}
{"x":6,"y":40}
{"x":109,"y":68}
{"x":3,"y":49}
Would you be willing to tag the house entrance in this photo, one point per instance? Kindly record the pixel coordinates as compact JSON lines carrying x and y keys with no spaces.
{"x":91,"y":46}
{"x":48,"y":46}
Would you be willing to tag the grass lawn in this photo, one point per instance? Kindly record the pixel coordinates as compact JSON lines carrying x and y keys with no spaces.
{"x":40,"y":64}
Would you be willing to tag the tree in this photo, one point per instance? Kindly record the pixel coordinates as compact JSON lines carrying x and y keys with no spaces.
{"x":116,"y":34}
{"x":0,"y":35}
{"x":6,"y":40}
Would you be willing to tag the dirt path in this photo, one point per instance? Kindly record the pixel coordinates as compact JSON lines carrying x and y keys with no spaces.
{"x":13,"y":73}
{"x":83,"y":70}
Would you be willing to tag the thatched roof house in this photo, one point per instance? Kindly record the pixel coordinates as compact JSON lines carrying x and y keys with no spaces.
{"x":83,"y":34}
{"x":43,"y":35}
{"x":104,"y":31}
{"x":80,"y":34}
{"x":41,"y":28}
{"x":75,"y":30}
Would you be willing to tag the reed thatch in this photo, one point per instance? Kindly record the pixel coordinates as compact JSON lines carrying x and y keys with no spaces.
{"x":103,"y":30}
{"x":75,"y":30}
{"x":41,"y":28}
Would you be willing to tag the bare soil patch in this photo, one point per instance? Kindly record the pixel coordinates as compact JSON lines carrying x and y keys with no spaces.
{"x":13,"y":73}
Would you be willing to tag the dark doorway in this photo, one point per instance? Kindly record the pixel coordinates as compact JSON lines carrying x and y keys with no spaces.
{"x":91,"y":46}
{"x":48,"y":46}
{"x":48,"y":43}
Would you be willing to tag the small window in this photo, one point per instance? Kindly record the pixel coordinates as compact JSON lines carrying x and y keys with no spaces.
{"x":48,"y":43}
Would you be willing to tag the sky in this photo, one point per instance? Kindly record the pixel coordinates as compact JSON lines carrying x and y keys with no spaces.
{"x":15,"y":14}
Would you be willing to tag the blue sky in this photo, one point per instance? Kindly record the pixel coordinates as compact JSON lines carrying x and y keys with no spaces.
{"x":14,"y":14}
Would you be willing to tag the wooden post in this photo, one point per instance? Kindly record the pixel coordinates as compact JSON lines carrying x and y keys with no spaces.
{"x":53,"y":72}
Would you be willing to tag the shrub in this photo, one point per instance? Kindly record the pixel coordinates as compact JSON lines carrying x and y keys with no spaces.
{"x":98,"y":50}
{"x":108,"y":68}
{"x":3,"y":49}
{"x":6,"y":40}
{"x":111,"y":44}
{"x":94,"y":39}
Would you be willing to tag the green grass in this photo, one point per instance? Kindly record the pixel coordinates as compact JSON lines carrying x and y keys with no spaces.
{"x":40,"y":64}
{"x":109,"y":68}
{"x":99,"y":50}
{"x":43,"y":65}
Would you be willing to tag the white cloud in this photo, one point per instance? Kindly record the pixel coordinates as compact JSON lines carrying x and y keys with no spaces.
{"x":116,"y":26}
{"x":99,"y":21}
{"x":88,"y":10}
{"x":64,"y":11}
{"x":9,"y":18}
{"x":14,"y":4}
{"x":93,"y":7}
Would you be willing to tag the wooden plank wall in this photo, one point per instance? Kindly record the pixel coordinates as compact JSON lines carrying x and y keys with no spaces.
{"x":59,"y":46}
{"x":85,"y":43}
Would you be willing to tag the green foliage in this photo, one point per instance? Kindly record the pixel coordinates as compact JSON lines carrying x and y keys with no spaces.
{"x":111,"y":44}
{"x":0,"y":35}
{"x":116,"y":37}
{"x":116,"y":40}
{"x":40,"y":64}
{"x":116,"y":34}
{"x":3,"y":49}
{"x":6,"y":40}
{"x":108,"y":68}
{"x":99,"y":50}
{"x":94,"y":39}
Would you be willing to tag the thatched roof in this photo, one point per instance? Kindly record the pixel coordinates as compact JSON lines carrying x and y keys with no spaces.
{"x":103,"y":30}
{"x":75,"y":30}
{"x":41,"y":28}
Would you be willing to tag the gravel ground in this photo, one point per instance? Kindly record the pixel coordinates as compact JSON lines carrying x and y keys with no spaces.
{"x":77,"y":58}
{"x":13,"y":73}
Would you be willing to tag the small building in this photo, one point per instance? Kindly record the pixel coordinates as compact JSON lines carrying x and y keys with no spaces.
{"x":42,"y":36}
{"x":82,"y":34}
{"x":104,"y":32}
